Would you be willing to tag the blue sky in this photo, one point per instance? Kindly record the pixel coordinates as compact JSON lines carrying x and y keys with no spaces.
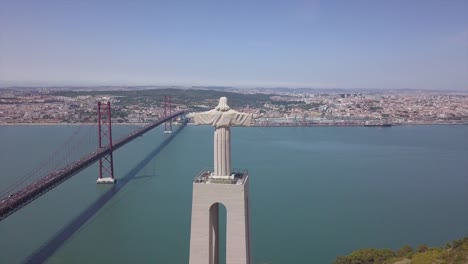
{"x":319,"y":44}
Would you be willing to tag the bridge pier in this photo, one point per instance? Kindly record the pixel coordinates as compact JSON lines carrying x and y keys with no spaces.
{"x":106,"y":180}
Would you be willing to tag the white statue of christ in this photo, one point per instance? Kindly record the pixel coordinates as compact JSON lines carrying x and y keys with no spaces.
{"x":222,"y":118}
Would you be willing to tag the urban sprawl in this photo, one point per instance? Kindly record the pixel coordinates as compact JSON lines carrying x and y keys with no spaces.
{"x":60,"y":105}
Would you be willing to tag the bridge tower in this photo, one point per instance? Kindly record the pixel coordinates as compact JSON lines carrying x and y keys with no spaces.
{"x":106,"y":163}
{"x":167,"y":112}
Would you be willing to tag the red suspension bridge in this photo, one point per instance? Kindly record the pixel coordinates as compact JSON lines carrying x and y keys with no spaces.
{"x":66,"y":161}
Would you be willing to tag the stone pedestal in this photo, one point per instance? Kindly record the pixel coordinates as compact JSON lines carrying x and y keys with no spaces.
{"x":208,"y":193}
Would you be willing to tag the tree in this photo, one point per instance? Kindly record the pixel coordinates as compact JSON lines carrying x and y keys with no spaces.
{"x":366,"y":256}
{"x":422,"y":248}
{"x":405,"y":251}
{"x":457,"y":243}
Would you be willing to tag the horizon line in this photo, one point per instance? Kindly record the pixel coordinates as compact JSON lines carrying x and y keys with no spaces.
{"x":168,"y":86}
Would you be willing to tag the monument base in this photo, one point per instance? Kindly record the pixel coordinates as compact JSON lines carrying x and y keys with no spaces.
{"x":208,"y":194}
{"x":106,"y":180}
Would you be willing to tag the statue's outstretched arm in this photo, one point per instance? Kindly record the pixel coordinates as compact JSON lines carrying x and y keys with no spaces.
{"x":242,"y":119}
{"x":203,"y":118}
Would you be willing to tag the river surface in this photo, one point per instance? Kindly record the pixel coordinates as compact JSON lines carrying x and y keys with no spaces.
{"x":315,"y":193}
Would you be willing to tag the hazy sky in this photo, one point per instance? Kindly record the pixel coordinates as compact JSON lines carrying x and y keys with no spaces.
{"x":346,"y":44}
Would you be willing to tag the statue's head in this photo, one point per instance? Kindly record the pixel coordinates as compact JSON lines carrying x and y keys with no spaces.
{"x":222,"y":106}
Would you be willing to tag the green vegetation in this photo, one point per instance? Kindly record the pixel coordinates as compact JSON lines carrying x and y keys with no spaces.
{"x":455,"y":252}
{"x":190,"y":97}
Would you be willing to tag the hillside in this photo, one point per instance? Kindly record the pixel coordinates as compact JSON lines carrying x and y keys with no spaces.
{"x":452,"y":253}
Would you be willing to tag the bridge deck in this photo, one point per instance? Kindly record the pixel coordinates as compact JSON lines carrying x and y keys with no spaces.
{"x":17,"y":200}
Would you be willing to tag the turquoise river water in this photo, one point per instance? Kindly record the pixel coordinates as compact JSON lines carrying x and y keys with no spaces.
{"x":315,"y":193}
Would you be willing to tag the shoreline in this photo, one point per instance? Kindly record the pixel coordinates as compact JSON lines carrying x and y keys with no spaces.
{"x":277,"y":125}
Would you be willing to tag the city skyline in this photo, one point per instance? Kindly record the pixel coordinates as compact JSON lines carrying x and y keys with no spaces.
{"x":312,"y":44}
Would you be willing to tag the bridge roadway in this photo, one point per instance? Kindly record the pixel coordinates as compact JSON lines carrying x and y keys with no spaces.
{"x":21,"y":198}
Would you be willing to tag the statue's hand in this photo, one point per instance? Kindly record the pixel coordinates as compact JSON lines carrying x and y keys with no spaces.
{"x":190,"y":115}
